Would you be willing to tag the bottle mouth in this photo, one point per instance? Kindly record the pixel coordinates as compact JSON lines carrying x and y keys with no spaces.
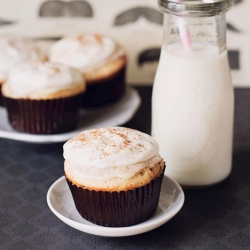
{"x":195,"y":8}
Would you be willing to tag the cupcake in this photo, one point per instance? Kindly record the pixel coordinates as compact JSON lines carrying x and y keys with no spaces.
{"x":114,"y":175}
{"x":43,"y":98}
{"x":102,"y":62}
{"x":15,"y":51}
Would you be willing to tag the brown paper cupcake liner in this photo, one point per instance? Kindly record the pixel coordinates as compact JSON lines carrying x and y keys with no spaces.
{"x":117,"y":209}
{"x":105,"y":91}
{"x":51,"y":116}
{"x":1,"y":96}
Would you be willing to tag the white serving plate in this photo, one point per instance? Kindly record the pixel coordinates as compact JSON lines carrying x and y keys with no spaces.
{"x":112,"y":115}
{"x":61,"y":203}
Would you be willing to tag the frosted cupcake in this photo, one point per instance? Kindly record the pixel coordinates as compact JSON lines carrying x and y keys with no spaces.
{"x":100,"y":59}
{"x":43,"y":98}
{"x":15,"y":51}
{"x":114,"y":175}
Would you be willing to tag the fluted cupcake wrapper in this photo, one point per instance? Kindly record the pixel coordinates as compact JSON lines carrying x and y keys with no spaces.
{"x":105,"y":91}
{"x":117,"y":209}
{"x":50,"y":116}
{"x":1,"y":96}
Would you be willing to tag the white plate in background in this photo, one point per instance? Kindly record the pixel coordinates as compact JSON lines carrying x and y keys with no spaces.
{"x":61,"y":203}
{"x":108,"y":116}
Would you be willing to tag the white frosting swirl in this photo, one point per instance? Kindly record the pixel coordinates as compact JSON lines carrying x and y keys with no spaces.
{"x":85,"y":52}
{"x":105,"y":153}
{"x":43,"y":78}
{"x":80,"y":172}
{"x":15,"y":51}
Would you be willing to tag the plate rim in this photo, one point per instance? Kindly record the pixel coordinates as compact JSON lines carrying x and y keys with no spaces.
{"x":117,"y":231}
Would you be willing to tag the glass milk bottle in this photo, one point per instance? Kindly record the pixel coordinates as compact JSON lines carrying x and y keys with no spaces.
{"x":193,"y":98}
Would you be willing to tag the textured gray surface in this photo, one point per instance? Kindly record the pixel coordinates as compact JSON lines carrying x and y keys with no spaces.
{"x":214,"y":218}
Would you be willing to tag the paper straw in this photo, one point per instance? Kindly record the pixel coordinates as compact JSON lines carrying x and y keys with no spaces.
{"x":184,"y":32}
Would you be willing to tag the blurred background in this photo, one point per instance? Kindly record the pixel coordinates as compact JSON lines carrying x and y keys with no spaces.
{"x":136,"y":24}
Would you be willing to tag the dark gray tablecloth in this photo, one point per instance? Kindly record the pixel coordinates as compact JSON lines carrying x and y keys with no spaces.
{"x":213,"y":218}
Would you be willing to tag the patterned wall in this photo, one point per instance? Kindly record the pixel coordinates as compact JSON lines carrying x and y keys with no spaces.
{"x":136,"y":24}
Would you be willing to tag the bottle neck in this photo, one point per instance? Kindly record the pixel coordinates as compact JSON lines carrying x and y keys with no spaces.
{"x":195,"y":8}
{"x":203,"y":30}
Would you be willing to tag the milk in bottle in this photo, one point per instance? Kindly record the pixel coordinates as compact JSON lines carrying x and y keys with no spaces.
{"x":193,"y":100}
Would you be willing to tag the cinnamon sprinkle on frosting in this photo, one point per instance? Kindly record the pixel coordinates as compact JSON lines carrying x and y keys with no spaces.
{"x":109,"y":147}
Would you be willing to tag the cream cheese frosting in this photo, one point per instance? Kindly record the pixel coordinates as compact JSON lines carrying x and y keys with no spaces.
{"x":38,"y":78}
{"x":85,"y":52}
{"x":15,"y":51}
{"x":105,"y":153}
{"x":79,"y":172}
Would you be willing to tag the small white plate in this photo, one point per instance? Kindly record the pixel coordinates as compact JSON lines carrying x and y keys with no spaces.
{"x":61,"y":203}
{"x":108,"y":116}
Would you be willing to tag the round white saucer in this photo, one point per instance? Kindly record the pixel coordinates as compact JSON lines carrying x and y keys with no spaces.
{"x":108,"y":116}
{"x":62,"y":205}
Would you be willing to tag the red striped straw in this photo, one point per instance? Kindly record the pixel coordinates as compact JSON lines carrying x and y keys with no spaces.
{"x":184,"y":32}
